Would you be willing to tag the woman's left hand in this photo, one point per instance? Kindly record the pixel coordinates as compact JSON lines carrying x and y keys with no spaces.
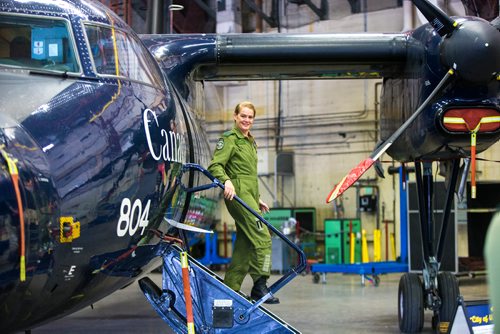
{"x":264,"y":208}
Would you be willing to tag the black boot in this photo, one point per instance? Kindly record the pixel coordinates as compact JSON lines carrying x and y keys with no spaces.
{"x":260,"y":289}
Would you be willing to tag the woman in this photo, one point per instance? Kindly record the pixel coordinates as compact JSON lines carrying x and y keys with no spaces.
{"x":235,"y":164}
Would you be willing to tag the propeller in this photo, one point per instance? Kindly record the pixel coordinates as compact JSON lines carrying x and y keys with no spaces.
{"x":442,"y":23}
{"x":479,"y":64}
{"x":364,"y":165}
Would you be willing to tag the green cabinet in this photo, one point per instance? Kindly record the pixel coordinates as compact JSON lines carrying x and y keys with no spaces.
{"x":338,"y":240}
{"x":333,"y":241}
{"x":354,"y":226}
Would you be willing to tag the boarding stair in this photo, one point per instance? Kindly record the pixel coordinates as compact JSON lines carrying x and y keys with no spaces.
{"x":216,"y":308}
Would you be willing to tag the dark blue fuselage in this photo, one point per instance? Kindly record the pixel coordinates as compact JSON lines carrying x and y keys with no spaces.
{"x":99,"y":161}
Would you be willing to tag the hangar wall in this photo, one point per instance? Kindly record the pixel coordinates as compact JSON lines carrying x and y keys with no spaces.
{"x":329,"y":125}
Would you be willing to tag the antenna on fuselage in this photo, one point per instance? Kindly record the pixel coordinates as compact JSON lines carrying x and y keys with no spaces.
{"x":171,"y":10}
{"x":155,"y":21}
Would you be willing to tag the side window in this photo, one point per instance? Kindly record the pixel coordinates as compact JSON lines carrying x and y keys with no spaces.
{"x":35,"y":42}
{"x":102,"y":50}
{"x":133,"y":60}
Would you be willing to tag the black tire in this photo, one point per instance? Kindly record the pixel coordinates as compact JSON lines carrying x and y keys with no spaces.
{"x":316,"y":278}
{"x":153,"y":294}
{"x":376,"y":280}
{"x":150,"y":289}
{"x":410,"y":304}
{"x":448,"y":292}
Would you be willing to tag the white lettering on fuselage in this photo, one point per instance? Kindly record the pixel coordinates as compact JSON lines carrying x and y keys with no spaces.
{"x":171,"y":147}
{"x":132,"y":216}
{"x":69,"y":274}
{"x":70,"y":271}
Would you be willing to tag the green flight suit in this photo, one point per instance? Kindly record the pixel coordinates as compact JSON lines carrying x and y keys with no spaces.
{"x":235,"y":158}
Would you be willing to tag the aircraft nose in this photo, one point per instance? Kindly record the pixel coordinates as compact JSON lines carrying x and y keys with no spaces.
{"x":481,"y":62}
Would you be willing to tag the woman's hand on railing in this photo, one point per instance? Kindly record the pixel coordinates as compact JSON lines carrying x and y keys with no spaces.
{"x":264,"y":208}
{"x":229,"y":191}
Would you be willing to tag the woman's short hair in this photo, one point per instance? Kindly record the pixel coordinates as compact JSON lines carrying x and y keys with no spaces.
{"x":244,"y":104}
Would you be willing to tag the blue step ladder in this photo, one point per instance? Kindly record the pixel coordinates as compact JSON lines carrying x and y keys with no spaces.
{"x":216,"y":307}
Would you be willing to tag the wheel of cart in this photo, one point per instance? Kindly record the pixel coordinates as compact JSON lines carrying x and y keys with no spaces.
{"x":374,"y":279}
{"x":316,"y":278}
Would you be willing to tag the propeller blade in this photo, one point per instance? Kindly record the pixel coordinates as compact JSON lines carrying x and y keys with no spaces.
{"x":364,"y":165}
{"x":443,"y":24}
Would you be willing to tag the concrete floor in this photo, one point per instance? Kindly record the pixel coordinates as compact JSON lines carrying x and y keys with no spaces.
{"x":341,"y":305}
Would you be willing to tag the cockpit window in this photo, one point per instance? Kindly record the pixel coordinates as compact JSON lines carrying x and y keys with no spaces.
{"x":118,"y":54}
{"x":36,"y":43}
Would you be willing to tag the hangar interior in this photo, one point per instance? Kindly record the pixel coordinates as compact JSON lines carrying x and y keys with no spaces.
{"x":103,"y":131}
{"x":311,"y":132}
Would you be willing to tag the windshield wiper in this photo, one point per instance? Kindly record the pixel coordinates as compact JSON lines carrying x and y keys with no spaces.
{"x":64,"y":75}
{"x":41,"y":71}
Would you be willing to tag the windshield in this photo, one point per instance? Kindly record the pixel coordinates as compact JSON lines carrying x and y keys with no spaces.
{"x":36,"y":43}
{"x":116,"y":53}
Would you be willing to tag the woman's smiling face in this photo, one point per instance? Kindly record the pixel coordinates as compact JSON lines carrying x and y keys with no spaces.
{"x":244,"y":120}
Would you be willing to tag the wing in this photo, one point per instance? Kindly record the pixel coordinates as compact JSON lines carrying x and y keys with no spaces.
{"x":282,"y":56}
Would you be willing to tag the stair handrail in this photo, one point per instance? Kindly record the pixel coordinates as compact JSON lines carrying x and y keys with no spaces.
{"x":294,"y":271}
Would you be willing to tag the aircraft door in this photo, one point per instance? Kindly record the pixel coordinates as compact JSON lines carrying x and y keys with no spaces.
{"x":200,"y":207}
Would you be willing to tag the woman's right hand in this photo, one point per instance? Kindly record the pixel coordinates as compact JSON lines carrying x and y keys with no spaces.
{"x":229,"y":191}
